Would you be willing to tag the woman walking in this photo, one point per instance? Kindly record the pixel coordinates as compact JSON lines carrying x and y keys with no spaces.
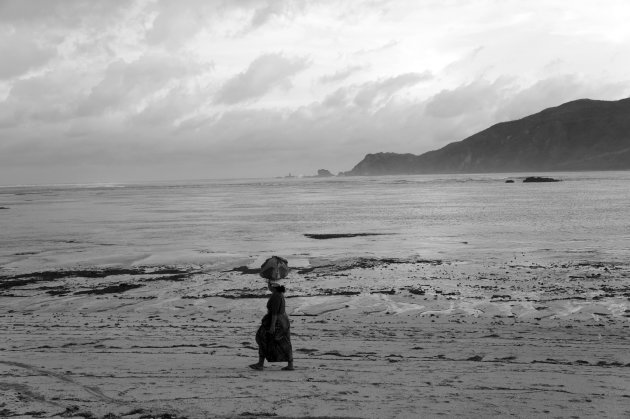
{"x":274,"y":334}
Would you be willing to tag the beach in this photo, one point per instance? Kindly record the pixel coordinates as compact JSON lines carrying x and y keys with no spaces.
{"x":371,"y":338}
{"x":411,"y":296}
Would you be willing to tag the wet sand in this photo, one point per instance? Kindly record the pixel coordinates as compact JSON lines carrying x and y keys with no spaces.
{"x":372,"y":338}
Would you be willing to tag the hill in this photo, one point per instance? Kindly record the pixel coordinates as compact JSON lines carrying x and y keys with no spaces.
{"x":580,"y":135}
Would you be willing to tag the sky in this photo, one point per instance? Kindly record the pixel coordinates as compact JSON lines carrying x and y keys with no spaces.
{"x":135,"y":90}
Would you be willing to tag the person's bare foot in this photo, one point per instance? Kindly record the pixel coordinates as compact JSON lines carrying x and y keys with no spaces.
{"x":258,"y":367}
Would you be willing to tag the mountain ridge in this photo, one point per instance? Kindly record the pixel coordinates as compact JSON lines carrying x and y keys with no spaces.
{"x":584,"y":134}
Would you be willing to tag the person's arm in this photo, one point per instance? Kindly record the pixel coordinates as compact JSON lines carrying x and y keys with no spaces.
{"x":272,"y":325}
{"x":275,"y":302}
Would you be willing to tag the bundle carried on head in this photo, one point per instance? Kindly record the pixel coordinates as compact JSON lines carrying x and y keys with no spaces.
{"x":274,"y":268}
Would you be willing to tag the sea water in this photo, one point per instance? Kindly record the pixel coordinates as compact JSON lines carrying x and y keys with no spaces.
{"x":222,"y":223}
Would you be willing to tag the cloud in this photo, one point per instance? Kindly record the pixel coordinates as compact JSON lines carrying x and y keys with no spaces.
{"x":167,"y":110}
{"x":68,"y":11}
{"x":263,"y":74}
{"x":380,"y":48}
{"x":271,"y":9}
{"x":127,"y":86}
{"x":21,"y":53}
{"x":374,"y":94}
{"x":177,"y":22}
{"x":383,"y":90}
{"x":52,"y":22}
{"x":48,"y":98}
{"x":341,"y":75}
{"x":471,"y":97}
{"x":554,"y":91}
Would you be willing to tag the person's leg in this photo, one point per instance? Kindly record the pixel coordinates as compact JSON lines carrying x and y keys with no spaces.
{"x":260,"y":364}
{"x":289,"y":366}
{"x":261,"y":352}
{"x":288,"y":349}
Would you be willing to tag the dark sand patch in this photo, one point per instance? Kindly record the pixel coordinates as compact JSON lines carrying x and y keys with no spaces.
{"x":26,"y":279}
{"x":245,"y":270}
{"x":342,"y":235}
{"x":365,"y":263}
{"x":534,"y":179}
{"x":112,"y":289}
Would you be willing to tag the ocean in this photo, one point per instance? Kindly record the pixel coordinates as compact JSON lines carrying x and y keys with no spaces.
{"x":215,"y":224}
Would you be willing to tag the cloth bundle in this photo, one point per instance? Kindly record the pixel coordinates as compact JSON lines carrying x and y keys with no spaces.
{"x":274,"y":268}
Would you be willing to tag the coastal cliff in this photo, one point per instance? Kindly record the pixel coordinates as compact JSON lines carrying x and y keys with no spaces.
{"x":580,"y":135}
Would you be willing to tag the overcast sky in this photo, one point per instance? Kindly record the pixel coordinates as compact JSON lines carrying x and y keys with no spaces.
{"x":111,"y":91}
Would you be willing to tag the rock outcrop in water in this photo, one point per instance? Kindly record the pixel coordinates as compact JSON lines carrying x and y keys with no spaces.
{"x":580,"y":135}
{"x":324,"y":173}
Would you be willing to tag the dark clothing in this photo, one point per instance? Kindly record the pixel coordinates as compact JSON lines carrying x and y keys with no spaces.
{"x":276,"y":346}
{"x":276,"y":304}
